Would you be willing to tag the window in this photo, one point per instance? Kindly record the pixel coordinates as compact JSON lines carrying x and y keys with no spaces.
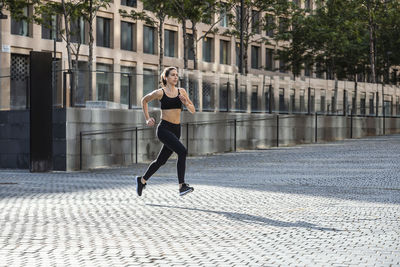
{"x":282,"y":106}
{"x":255,"y":25}
{"x":283,"y":25}
{"x":104,"y":82}
{"x":333,"y":104}
{"x":237,"y":50}
{"x":224,"y":52}
{"x":169,"y":43}
{"x":323,"y":97}
{"x":190,"y":47}
{"x":128,"y":81}
{"x":148,"y":40}
{"x":131,"y":3}
{"x":150,"y":83}
{"x":224,"y":16}
{"x":307,"y":4}
{"x":254,"y":98}
{"x":103,"y":33}
{"x":362,"y":103}
{"x":50,"y":30}
{"x":127,"y":36}
{"x":302,"y":101}
{"x":307,"y":69}
{"x":269,"y":59}
{"x":371,"y":104}
{"x":319,"y":71}
{"x":270,"y":25}
{"x":282,"y":63}
{"x":78,"y":30}
{"x":207,"y":49}
{"x":312,"y":100}
{"x":255,"y":57}
{"x":293,"y":100}
{"x":20,"y":27}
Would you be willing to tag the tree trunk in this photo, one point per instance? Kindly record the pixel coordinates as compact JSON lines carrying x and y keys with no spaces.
{"x":161,"y":44}
{"x":241,"y":51}
{"x":194,"y":46}
{"x":185,"y":45}
{"x":371,"y":46}
{"x":67,"y":35}
{"x":91,"y":41}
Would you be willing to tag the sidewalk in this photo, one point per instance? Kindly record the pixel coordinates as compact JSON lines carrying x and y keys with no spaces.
{"x":334,"y":204}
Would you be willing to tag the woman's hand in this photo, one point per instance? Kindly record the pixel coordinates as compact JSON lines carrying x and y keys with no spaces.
{"x":150,"y":122}
{"x":184,"y":100}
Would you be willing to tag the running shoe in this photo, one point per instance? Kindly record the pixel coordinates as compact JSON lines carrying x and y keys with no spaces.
{"x":185,"y":189}
{"x":139,"y":185}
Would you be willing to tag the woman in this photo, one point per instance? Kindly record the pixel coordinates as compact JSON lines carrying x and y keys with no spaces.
{"x":169,"y":129}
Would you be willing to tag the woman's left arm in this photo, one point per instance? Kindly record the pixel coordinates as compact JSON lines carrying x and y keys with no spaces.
{"x":186,"y":101}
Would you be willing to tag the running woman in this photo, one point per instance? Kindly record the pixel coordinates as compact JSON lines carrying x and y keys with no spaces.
{"x":169,"y":128}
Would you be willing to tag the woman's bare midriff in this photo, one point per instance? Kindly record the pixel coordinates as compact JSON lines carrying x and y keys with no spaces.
{"x":171,"y":115}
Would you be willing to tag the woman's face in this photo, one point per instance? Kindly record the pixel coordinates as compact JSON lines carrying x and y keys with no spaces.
{"x":172,"y":77}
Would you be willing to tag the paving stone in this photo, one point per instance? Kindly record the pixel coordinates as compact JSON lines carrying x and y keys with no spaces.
{"x":333,"y":204}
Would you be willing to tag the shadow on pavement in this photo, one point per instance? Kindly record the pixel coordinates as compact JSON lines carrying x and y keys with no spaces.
{"x":247,"y":218}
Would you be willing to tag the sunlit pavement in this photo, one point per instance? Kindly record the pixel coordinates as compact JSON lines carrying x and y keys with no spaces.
{"x":333,"y":204}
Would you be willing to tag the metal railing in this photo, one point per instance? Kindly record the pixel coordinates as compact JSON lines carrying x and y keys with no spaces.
{"x":231,"y":122}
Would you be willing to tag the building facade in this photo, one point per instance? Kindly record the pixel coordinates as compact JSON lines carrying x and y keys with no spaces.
{"x":126,"y":65}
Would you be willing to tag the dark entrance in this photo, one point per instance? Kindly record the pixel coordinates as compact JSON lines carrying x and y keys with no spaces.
{"x":41,"y":106}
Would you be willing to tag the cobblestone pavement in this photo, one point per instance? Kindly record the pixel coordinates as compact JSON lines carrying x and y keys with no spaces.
{"x":334,"y":204}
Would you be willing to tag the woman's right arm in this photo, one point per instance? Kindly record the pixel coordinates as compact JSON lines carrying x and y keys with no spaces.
{"x":156,"y":94}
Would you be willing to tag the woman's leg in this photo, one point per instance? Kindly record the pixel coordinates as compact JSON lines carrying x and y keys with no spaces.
{"x":162,"y":158}
{"x":171,"y":140}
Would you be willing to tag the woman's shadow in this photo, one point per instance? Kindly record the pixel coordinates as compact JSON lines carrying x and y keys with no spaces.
{"x":247,"y":218}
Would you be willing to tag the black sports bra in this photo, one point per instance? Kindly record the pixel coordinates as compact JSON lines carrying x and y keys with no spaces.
{"x":170,"y":103}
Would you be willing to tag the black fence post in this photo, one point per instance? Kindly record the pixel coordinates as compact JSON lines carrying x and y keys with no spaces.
{"x":351,"y":124}
{"x":384,"y":119}
{"x":64,"y":89}
{"x":71,"y":91}
{"x":316,"y":127}
{"x":129,"y":92}
{"x":136,"y":146}
{"x":344,"y":102}
{"x":309,"y":101}
{"x":187,"y":138}
{"x":277,"y":130}
{"x":80,"y":150}
{"x":377,"y":104}
{"x":228,"y":86}
{"x":234,"y":134}
{"x":270,"y":98}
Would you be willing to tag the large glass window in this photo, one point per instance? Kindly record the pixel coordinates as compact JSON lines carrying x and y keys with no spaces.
{"x":51,"y":28}
{"x":269,"y":59}
{"x":190,"y":47}
{"x":224,"y":16}
{"x":362,"y":103}
{"x":131,"y":3}
{"x":371,"y":104}
{"x":270,"y":25}
{"x":128,"y":82}
{"x":150,"y":83}
{"x":78,"y":31}
{"x":255,"y":57}
{"x":254,"y":98}
{"x":103,"y":33}
{"x":169,"y":43}
{"x":148,"y":40}
{"x":292,"y":100}
{"x":282,"y":106}
{"x":127,"y":36}
{"x":255,"y":26}
{"x":20,"y":27}
{"x":207,"y":49}
{"x":224,"y":52}
{"x":282,"y":64}
{"x":104,"y":82}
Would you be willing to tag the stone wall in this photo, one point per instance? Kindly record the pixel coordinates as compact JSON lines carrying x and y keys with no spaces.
{"x":253,"y":131}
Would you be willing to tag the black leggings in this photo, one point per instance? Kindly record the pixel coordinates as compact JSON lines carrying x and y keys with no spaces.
{"x":169,"y":134}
